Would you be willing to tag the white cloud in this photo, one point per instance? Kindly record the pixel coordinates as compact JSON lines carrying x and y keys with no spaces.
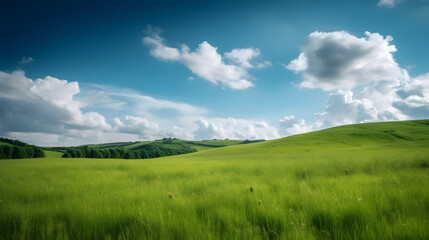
{"x":414,"y":97}
{"x":382,"y":101}
{"x":207,"y":63}
{"x":135,"y":125}
{"x":26,"y":60}
{"x":290,"y":126}
{"x":159,"y":50}
{"x":54,"y":109}
{"x":339,"y":60}
{"x":382,"y":96}
{"x":124,"y":99}
{"x":342,"y":108}
{"x":242,"y":56}
{"x":45,"y":105}
{"x":148,"y":130}
{"x":387,"y":3}
{"x":222,"y":128}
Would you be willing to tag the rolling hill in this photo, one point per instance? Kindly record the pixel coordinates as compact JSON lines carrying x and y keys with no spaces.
{"x":363,"y":181}
{"x":144,"y":150}
{"x":14,"y":149}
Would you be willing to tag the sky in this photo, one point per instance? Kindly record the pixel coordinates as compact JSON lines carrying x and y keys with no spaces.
{"x":81,"y":72}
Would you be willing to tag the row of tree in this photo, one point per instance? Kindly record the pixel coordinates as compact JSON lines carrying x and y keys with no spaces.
{"x":15,"y":149}
{"x":152,"y":150}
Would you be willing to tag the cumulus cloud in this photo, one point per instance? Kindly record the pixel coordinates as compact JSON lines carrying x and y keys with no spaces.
{"x":221,"y":128}
{"x":135,"y":125}
{"x":339,"y":60}
{"x":342,"y":108}
{"x":414,"y":97}
{"x":44,"y":105}
{"x":342,"y":62}
{"x":207,"y":63}
{"x":243,"y":56}
{"x":382,"y":101}
{"x":290,"y":125}
{"x":148,"y":130}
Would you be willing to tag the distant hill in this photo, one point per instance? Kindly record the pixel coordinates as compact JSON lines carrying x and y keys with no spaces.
{"x":380,"y":136}
{"x":14,"y":149}
{"x":147,"y":149}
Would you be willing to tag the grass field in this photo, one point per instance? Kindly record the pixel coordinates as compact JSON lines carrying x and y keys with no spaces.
{"x":365,"y":181}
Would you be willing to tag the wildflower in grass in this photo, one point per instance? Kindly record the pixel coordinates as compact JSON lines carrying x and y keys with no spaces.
{"x":251,"y":189}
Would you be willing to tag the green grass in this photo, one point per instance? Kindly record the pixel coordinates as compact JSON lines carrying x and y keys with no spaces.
{"x":52,"y":154}
{"x":365,"y":181}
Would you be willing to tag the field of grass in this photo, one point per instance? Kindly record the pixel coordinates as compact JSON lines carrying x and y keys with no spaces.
{"x":365,"y":181}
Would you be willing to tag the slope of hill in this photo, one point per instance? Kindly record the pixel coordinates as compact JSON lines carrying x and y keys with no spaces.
{"x":14,"y":149}
{"x":364,"y":181}
{"x":143,"y":150}
{"x":356,"y":137}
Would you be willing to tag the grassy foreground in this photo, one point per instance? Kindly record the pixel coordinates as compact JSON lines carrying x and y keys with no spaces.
{"x":366,"y":181}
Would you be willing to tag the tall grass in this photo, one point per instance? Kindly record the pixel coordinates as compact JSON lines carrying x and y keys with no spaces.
{"x":303,"y":187}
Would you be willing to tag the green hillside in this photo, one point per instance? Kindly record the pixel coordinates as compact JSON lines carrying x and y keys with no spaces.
{"x":14,"y":149}
{"x":364,"y":181}
{"x":143,"y":150}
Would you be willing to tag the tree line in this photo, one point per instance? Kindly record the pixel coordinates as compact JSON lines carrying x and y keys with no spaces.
{"x":16,"y":149}
{"x":152,"y":150}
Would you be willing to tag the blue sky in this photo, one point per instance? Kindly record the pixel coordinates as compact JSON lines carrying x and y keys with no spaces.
{"x":79,"y":72}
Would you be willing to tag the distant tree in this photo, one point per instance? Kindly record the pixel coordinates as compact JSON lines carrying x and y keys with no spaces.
{"x":144,"y":154}
{"x":38,"y":152}
{"x":156,"y":153}
{"x":106,"y":153}
{"x":86,"y":152}
{"x":66,"y":155}
{"x":129,"y":155}
{"x":121,"y":152}
{"x":7,"y":152}
{"x":137,"y":155}
{"x":114,"y":153}
{"x":17,"y":152}
{"x":94,"y":153}
{"x":29,"y":151}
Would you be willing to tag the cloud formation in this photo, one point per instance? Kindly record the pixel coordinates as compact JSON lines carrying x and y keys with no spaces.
{"x":414,"y":97}
{"x":381,"y":101}
{"x":54,"y":110}
{"x":222,"y":128}
{"x":339,"y":60}
{"x":387,"y":3}
{"x":26,"y":60}
{"x":290,"y":126}
{"x":44,"y":105}
{"x":230,"y":71}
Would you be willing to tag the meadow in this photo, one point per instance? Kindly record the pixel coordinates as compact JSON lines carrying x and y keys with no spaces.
{"x":364,"y":181}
